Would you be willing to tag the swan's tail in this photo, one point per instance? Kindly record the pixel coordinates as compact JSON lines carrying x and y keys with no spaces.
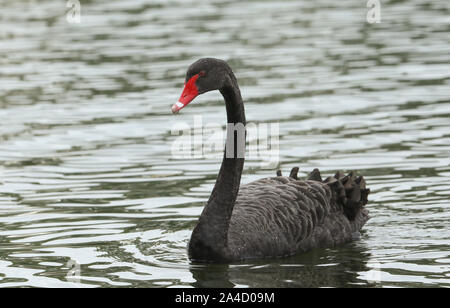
{"x":349,"y":190}
{"x":351,"y":193}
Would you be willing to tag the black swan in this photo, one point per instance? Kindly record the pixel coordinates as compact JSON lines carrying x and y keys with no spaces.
{"x":271,"y":217}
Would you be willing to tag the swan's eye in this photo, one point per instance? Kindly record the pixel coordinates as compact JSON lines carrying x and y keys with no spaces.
{"x":202,"y":73}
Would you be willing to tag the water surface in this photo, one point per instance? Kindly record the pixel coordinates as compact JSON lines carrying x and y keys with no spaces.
{"x":88,"y":184}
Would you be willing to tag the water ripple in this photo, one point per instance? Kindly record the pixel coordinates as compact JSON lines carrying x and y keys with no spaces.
{"x":87,"y":181}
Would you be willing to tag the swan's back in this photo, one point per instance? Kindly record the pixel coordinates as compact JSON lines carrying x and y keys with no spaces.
{"x":281,"y":216}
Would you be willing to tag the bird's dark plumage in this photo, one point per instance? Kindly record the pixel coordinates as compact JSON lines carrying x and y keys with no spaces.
{"x":281,"y":216}
{"x":271,"y":217}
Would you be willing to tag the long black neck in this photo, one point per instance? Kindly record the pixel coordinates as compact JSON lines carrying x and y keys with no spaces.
{"x":211,"y":233}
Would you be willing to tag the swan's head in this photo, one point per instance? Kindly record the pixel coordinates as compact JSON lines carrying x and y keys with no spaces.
{"x":204,"y":75}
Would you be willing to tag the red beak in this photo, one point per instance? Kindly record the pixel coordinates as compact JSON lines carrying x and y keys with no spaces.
{"x":190,"y":92}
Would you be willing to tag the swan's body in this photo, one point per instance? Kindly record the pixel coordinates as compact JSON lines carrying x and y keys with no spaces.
{"x":272,"y":217}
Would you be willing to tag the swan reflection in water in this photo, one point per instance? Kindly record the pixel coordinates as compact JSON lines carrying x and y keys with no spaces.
{"x":341,"y":267}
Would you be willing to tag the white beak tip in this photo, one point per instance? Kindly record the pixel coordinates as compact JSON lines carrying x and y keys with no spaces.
{"x":177,"y":107}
